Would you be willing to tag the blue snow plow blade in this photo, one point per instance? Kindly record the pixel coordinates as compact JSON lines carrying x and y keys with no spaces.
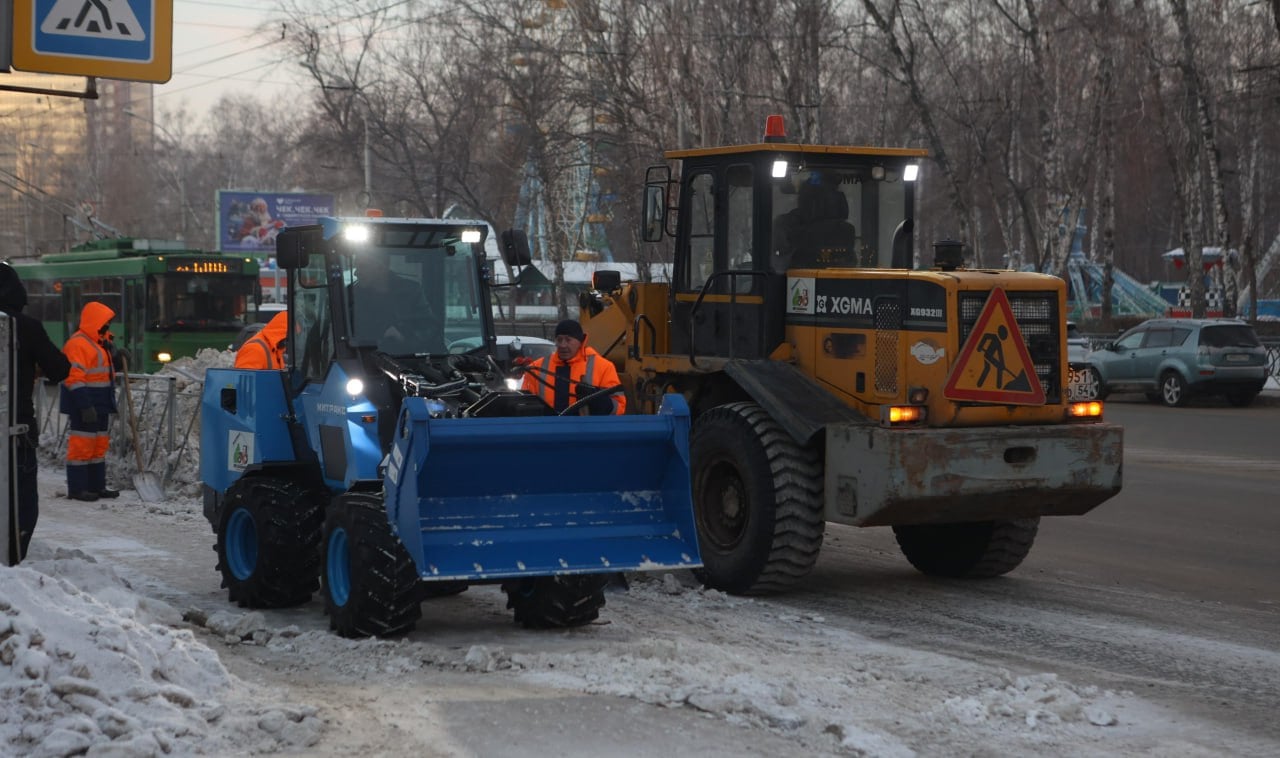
{"x":494,"y":498}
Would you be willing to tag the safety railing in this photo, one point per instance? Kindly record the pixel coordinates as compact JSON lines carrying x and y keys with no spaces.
{"x":166,"y":411}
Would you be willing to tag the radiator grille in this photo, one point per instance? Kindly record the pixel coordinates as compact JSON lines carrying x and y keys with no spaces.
{"x":888,"y":327}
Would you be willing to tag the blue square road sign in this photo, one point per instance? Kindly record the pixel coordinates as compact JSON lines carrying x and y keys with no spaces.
{"x":112,"y":39}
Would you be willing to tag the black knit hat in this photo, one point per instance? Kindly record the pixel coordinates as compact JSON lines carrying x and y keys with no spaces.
{"x":570,"y":328}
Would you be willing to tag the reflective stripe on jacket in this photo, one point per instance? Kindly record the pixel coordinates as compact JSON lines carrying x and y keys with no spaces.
{"x":257,"y":354}
{"x":263,"y":351}
{"x":598,"y":372}
{"x":91,"y":381}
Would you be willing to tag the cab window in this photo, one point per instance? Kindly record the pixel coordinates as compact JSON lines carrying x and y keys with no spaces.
{"x":701,"y":214}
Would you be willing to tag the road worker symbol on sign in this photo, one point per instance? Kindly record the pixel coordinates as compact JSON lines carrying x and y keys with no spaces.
{"x":994,"y":365}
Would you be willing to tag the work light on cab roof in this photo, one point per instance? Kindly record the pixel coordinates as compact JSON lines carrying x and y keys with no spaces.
{"x":775,"y":131}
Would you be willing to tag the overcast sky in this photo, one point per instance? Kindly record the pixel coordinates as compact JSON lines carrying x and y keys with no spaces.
{"x":218,"y":50}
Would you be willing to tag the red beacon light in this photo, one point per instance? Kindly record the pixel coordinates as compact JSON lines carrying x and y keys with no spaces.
{"x":373,"y":213}
{"x":774,"y":129}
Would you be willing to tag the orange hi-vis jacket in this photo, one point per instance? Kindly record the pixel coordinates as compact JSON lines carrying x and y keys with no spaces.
{"x":89,"y":384}
{"x":91,"y":380}
{"x":599,"y":372}
{"x":263,"y":350}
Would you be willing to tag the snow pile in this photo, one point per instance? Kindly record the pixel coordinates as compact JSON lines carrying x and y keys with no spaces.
{"x":183,"y":462}
{"x":1033,"y":700}
{"x":87,"y":665}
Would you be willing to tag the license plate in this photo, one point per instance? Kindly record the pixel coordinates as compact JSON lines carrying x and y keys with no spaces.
{"x":1076,"y":389}
{"x":1237,"y":358}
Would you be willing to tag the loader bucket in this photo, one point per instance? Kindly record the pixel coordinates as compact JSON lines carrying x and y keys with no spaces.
{"x":495,"y":498}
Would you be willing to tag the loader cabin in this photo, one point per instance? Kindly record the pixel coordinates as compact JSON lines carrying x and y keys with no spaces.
{"x":743,"y":216}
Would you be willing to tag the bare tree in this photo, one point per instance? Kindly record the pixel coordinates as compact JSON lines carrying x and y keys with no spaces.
{"x":902,"y":50}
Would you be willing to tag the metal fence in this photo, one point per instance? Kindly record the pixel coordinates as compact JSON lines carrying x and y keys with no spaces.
{"x":165,"y":410}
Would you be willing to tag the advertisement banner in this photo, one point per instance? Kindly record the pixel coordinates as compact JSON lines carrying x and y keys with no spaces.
{"x":250,"y":221}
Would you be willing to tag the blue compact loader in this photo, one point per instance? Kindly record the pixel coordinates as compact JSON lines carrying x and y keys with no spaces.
{"x":388,"y":461}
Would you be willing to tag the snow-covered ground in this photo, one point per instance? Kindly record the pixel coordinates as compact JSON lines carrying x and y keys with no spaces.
{"x":115,"y":639}
{"x":94,"y":663}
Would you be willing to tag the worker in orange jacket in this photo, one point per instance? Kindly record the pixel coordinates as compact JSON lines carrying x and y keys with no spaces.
{"x":264,"y":350}
{"x":88,"y":398}
{"x":573,"y":372}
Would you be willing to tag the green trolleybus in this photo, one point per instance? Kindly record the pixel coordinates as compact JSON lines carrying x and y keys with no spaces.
{"x":170,"y":301}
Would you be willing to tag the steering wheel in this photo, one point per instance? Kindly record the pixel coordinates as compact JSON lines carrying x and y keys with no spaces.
{"x":464,"y":345}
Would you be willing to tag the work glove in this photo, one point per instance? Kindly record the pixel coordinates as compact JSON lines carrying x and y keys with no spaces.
{"x":89,"y":415}
{"x":599,"y":406}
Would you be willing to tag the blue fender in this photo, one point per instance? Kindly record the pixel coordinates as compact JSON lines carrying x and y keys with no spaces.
{"x":242,"y":424}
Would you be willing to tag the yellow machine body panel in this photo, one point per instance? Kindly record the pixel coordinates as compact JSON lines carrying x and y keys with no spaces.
{"x":870,"y":359}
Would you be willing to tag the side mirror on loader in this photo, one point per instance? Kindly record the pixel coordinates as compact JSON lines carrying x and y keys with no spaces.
{"x":654,"y":212}
{"x":295,"y":244}
{"x":515,"y":248}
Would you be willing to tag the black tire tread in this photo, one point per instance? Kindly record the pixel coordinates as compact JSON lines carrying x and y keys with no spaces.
{"x":796,"y":473}
{"x":288,"y":519}
{"x":384,"y":579}
{"x":556,"y":602}
{"x":970,"y":550}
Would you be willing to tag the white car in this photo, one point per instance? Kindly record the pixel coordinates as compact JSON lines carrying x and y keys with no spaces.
{"x":509,"y":347}
{"x":1083,"y":384}
{"x":1077,"y":344}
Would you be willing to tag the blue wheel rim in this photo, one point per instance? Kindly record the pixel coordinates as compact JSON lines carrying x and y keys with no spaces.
{"x":338,"y":567}
{"x":242,"y":544}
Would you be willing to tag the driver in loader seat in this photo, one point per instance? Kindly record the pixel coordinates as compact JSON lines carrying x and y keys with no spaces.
{"x":816,"y":233}
{"x":392,"y":312}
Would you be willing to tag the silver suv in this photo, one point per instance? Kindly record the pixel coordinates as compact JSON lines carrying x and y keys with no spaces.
{"x":1172,"y":359}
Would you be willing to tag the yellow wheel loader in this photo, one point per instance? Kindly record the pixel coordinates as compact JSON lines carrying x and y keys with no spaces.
{"x":831,"y":381}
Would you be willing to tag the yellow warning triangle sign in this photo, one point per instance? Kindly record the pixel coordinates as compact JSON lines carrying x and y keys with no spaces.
{"x":994,"y":365}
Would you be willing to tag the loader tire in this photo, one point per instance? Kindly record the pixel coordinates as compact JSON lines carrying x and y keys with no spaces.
{"x":556,"y":602}
{"x":757,"y":497}
{"x":975,"y":549}
{"x":369,"y":581}
{"x":268,"y":542}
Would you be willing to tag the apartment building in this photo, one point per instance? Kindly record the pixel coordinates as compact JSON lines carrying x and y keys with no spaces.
{"x":66,"y":161}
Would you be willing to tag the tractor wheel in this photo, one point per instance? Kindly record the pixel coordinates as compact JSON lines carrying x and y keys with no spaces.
{"x":757,"y":496}
{"x":370,"y":583}
{"x":556,"y":602}
{"x":973,"y":549}
{"x":1173,"y":389}
{"x":268,"y":542}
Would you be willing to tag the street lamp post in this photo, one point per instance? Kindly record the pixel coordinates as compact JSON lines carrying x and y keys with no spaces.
{"x":181,"y":175}
{"x":367,"y":195}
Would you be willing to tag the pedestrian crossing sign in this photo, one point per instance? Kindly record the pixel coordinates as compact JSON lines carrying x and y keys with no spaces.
{"x":111,"y":39}
{"x":994,"y":365}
